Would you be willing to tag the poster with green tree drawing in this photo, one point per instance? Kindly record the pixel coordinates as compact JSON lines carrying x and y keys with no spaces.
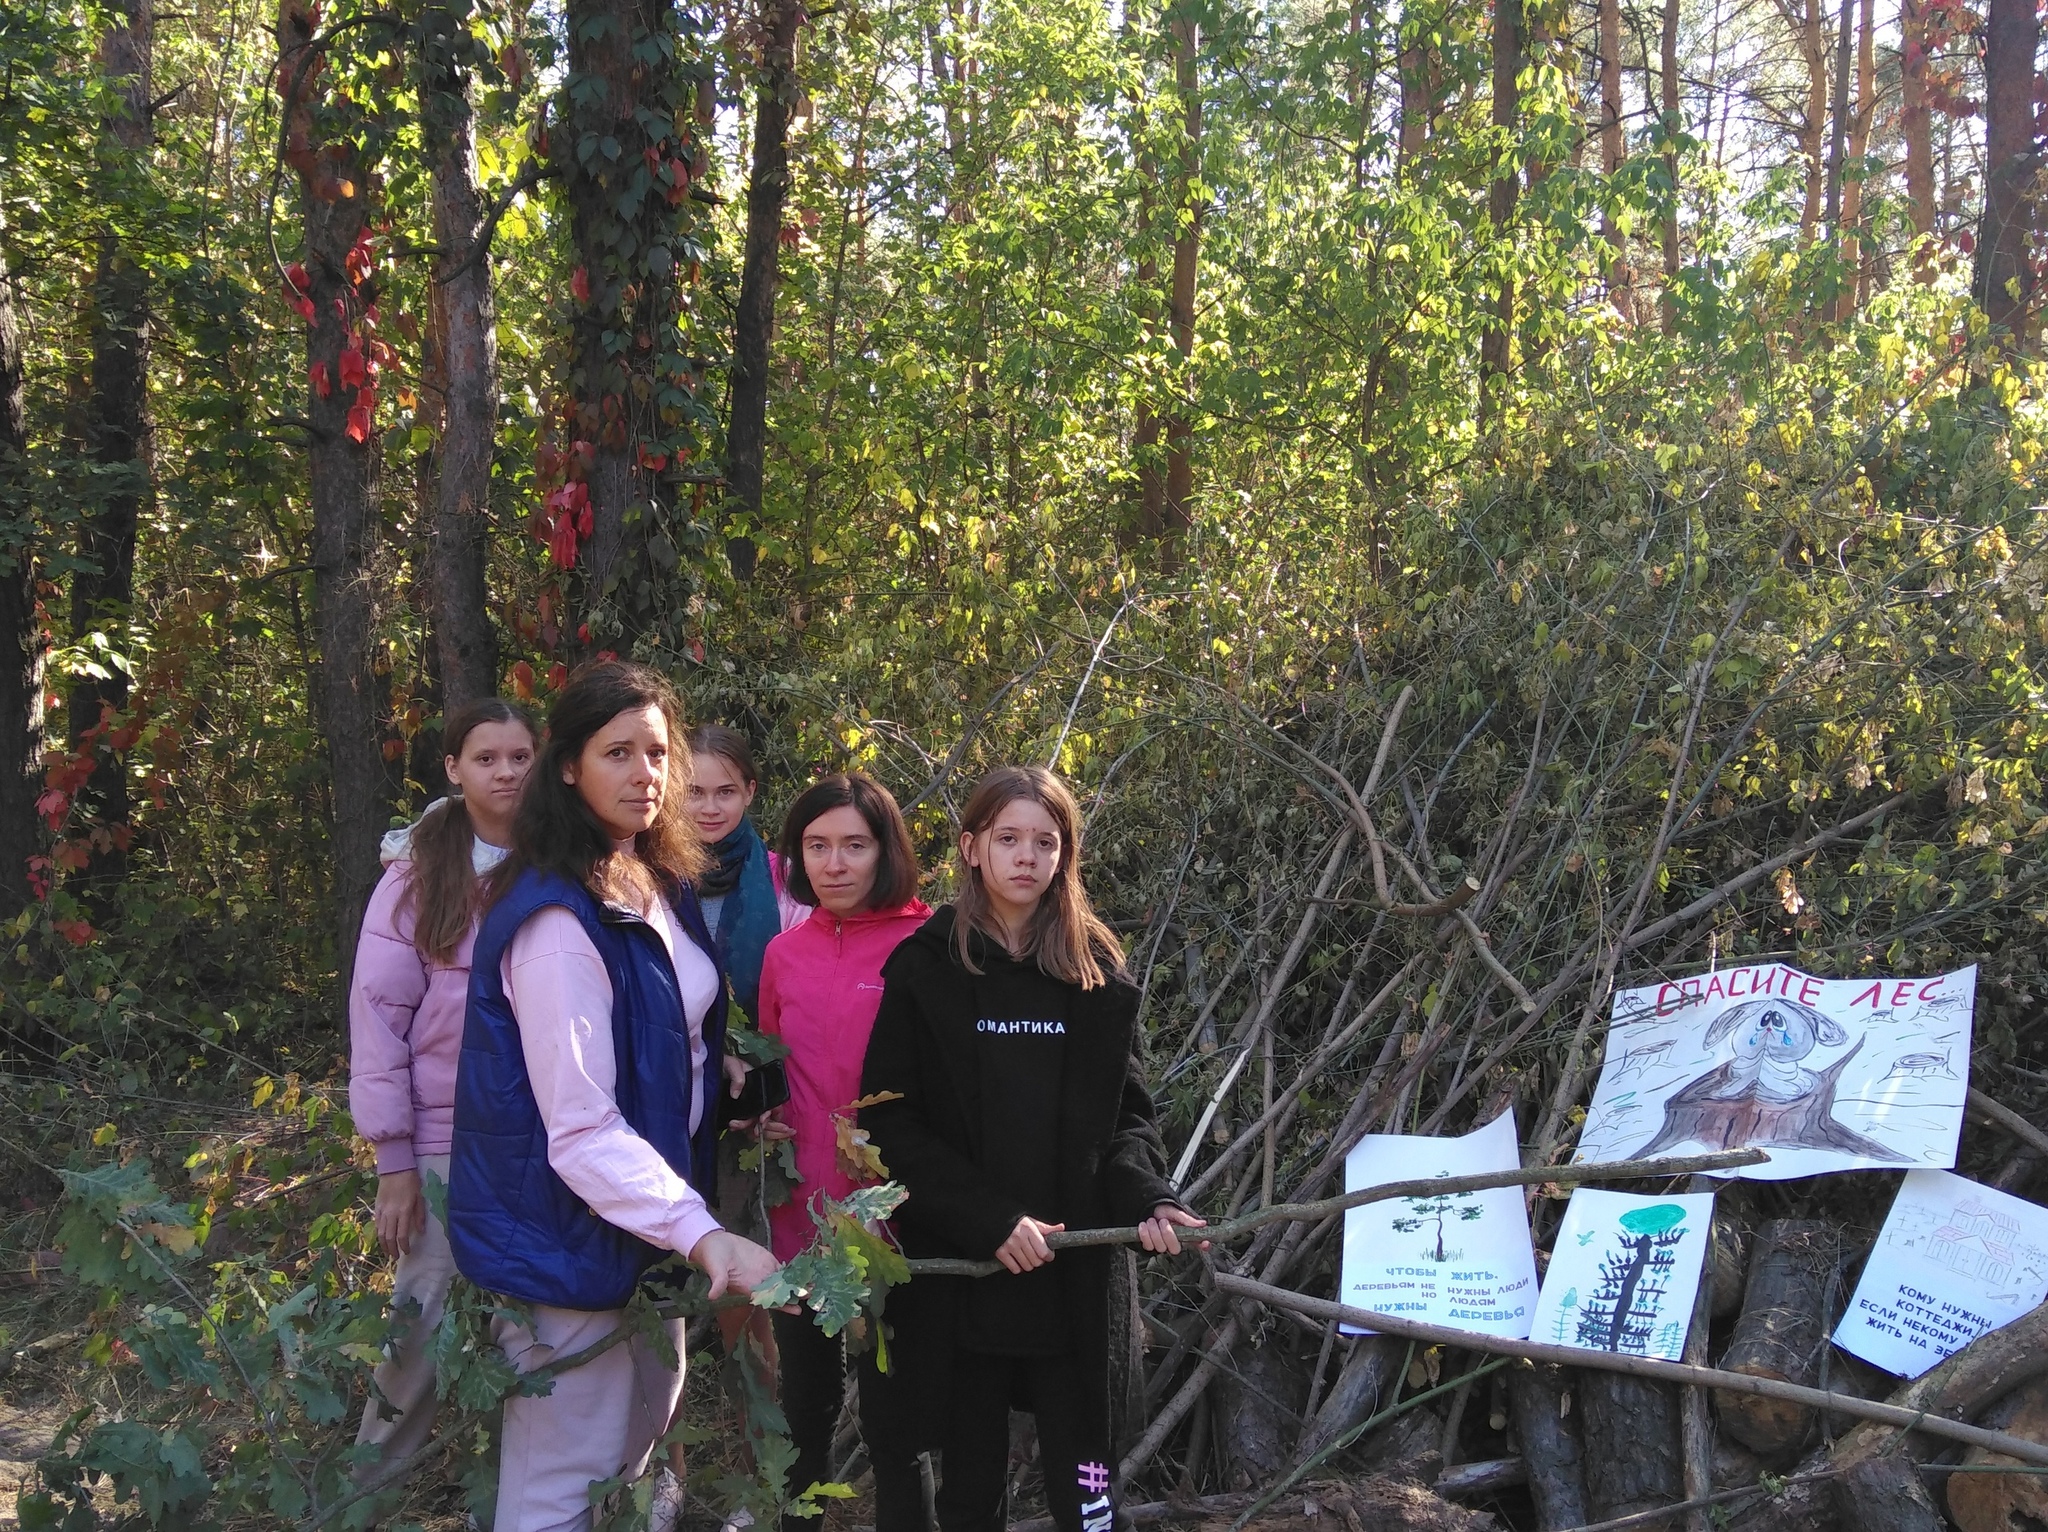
{"x":1624,"y":1273}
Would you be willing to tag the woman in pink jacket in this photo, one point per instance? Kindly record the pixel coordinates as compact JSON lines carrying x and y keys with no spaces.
{"x":847,"y":852}
{"x":406,"y":1001}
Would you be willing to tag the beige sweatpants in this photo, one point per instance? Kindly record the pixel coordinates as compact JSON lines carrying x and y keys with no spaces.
{"x":406,"y":1378}
{"x":602,"y":1418}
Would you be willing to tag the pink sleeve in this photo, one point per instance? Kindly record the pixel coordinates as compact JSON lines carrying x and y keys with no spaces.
{"x":793,"y":913}
{"x":563,"y":1001}
{"x":385,"y":989}
{"x":768,"y":1008}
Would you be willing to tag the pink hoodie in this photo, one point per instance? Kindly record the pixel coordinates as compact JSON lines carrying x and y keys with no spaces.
{"x":405,"y":1016}
{"x":821,"y":984}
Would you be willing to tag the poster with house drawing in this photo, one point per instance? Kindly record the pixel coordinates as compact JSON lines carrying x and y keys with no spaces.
{"x":1464,"y":1259}
{"x":1953,"y":1260}
{"x":1624,"y":1272}
{"x":1822,"y":1074}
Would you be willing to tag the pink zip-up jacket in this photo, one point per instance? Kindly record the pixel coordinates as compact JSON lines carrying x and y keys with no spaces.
{"x":405,"y":1031}
{"x":821,"y":984}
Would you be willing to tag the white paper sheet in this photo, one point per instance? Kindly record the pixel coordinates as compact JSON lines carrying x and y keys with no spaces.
{"x":1462,"y":1260}
{"x":1953,"y":1260}
{"x":1624,"y":1272}
{"x":1822,"y":1074}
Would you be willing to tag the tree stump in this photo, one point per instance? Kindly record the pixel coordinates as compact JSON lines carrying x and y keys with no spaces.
{"x":1989,"y":1502}
{"x":1706,"y":1113}
{"x":1368,"y":1375}
{"x":1884,"y":1494}
{"x":1727,"y":1259}
{"x":1631,"y":1427}
{"x":1781,"y":1332}
{"x":1260,"y":1400}
{"x":1540,"y":1402}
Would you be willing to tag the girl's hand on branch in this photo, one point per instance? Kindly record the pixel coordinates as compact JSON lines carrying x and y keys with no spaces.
{"x":1157,"y":1234}
{"x":1026,"y":1249}
{"x":401,"y":1215}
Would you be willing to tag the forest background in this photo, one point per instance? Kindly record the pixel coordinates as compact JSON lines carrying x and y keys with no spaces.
{"x":1576,"y":459}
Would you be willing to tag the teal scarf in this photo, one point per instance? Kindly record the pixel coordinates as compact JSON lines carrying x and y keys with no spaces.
{"x":750,"y":917}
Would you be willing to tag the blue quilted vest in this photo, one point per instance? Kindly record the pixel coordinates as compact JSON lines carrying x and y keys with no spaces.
{"x":515,"y":1226}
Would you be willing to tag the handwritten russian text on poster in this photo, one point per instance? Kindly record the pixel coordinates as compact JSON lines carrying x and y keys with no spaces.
{"x":1462,"y":1259}
{"x":1823,"y":1074}
{"x":1624,"y":1272}
{"x":1953,"y":1260}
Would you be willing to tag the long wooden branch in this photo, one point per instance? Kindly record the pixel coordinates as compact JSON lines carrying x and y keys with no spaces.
{"x":1425,"y":1186}
{"x":1641,"y":1367}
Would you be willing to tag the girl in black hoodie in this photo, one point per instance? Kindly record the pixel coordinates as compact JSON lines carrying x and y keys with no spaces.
{"x":1008,"y":1033}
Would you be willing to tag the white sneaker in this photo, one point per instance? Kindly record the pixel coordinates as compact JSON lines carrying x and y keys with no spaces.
{"x":667,"y":1508}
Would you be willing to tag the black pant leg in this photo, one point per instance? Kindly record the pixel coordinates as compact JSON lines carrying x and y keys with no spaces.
{"x":1074,"y":1450}
{"x":975,"y":1471}
{"x":813,"y":1382}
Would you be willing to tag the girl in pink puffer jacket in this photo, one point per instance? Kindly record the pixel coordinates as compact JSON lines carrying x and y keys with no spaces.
{"x":406,"y":1003}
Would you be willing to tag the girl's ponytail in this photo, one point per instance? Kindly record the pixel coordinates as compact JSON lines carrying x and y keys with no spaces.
{"x":443,"y":893}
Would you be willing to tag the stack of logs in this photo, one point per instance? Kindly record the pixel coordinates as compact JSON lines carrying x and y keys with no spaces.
{"x":1594,"y":1446}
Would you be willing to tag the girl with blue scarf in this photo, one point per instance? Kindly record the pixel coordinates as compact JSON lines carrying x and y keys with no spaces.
{"x":743,"y":893}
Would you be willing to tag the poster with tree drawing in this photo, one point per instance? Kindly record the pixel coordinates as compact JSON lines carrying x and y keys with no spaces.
{"x":1461,"y":1259}
{"x":1624,"y":1272}
{"x":1953,"y":1260}
{"x":1824,"y":1074}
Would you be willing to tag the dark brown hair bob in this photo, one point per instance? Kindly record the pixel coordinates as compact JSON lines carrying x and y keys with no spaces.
{"x":895,"y":869}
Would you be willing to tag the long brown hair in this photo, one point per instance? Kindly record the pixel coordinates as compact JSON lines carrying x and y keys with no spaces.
{"x":729,"y":745}
{"x":444,"y":892}
{"x":896,"y":863}
{"x":555,"y":830}
{"x":1071,"y":942}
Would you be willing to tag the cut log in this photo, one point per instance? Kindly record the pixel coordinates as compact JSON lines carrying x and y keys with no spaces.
{"x":1261,"y":1398}
{"x":1982,"y":1373}
{"x":1540,"y":1403}
{"x":1367,"y":1376}
{"x":1991,"y":1502}
{"x":1631,"y":1425}
{"x":1481,"y":1481}
{"x":1727,"y":1261}
{"x":1408,"y":1445}
{"x":1781,"y":1332}
{"x":1884,"y":1494}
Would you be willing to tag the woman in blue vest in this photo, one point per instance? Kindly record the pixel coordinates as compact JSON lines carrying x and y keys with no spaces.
{"x":586,"y":1096}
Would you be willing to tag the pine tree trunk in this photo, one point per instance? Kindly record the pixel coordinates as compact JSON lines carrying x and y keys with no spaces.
{"x":2004,"y":273}
{"x":117,"y":436}
{"x":1177,"y":510}
{"x":21,"y":634}
{"x":1612,"y":153}
{"x":760,"y":275}
{"x":1838,"y":116}
{"x":1916,"y":121}
{"x":1497,"y":343}
{"x":342,"y":473}
{"x":1417,"y":108}
{"x":1813,"y":137}
{"x":1853,"y":261}
{"x":1667,"y":307}
{"x":466,"y":335}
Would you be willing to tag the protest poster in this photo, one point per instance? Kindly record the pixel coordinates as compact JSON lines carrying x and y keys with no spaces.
{"x":1822,"y":1074}
{"x":1462,"y":1259}
{"x":1953,"y":1260}
{"x":1624,"y":1272}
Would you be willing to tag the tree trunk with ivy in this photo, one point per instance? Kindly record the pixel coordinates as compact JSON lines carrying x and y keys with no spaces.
{"x":746,"y":438}
{"x":21,"y":659}
{"x":117,"y":439}
{"x":465,"y":334}
{"x":334,"y":291}
{"x":625,"y":147}
{"x":1177,"y":511}
{"x":1916,"y":120}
